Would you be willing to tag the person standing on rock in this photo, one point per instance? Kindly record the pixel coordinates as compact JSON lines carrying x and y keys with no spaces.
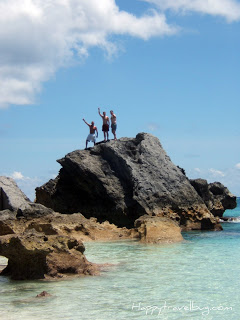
{"x":105,"y":126}
{"x":113,"y":124}
{"x":91,"y":136}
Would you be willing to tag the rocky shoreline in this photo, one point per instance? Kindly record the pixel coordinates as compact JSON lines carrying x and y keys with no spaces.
{"x":125,"y":189}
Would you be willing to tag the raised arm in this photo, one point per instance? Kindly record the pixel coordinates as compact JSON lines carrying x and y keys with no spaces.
{"x":100,"y":113}
{"x":86,"y":122}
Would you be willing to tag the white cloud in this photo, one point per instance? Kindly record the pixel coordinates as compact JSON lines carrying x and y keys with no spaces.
{"x":216,"y":173}
{"x":38,"y":37}
{"x":228,"y":9}
{"x":17,"y":175}
{"x":237,"y":166}
{"x":153,"y":126}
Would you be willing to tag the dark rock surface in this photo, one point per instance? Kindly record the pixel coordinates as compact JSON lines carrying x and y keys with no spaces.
{"x":215,"y":195}
{"x":120,"y":181}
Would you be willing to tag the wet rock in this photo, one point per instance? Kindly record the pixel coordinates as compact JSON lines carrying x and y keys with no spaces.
{"x":43,"y":294}
{"x":32,"y":255}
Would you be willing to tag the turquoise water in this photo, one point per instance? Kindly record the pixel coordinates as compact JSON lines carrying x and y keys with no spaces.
{"x":195,"y":279}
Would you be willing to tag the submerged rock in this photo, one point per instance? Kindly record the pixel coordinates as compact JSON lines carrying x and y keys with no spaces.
{"x":120,"y":181}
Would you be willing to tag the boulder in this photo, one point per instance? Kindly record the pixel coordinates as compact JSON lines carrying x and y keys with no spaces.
{"x":32,"y":255}
{"x":215,"y":195}
{"x":158,"y":230}
{"x":15,"y":203}
{"x":121,"y":180}
{"x":11,"y":197}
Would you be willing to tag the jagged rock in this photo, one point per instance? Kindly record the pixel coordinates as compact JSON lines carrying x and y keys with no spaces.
{"x":32,"y":255}
{"x":158,"y":230}
{"x":216,"y":196}
{"x":75,"y":225}
{"x":11,"y":197}
{"x":16,"y":202}
{"x":120,"y":181}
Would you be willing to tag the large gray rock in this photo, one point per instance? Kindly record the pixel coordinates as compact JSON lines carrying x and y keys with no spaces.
{"x":14,"y":203}
{"x":216,"y":196}
{"x":11,"y":197}
{"x":122,"y":180}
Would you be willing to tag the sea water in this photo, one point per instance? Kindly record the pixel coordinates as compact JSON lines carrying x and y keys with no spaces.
{"x":194,"y":279}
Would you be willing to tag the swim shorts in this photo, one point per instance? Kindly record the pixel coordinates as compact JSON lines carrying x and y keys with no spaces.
{"x":91,"y":137}
{"x":114,"y":126}
{"x":105,"y":127}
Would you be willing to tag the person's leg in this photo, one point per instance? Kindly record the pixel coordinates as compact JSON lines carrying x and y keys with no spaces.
{"x":86,"y":144}
{"x":104,"y":132}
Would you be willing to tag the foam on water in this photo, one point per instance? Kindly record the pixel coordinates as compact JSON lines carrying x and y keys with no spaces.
{"x":195,"y":279}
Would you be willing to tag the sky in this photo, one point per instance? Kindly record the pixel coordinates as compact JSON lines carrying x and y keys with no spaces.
{"x":167,"y":67}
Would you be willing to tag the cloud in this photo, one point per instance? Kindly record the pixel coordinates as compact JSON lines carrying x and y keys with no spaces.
{"x":153,"y":126}
{"x":228,"y":9}
{"x":237,"y":166}
{"x":17,"y":175}
{"x":39,"y":37}
{"x":216,"y":173}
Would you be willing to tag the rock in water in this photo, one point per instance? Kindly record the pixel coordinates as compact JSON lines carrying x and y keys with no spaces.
{"x":32,"y":255}
{"x":120,"y":181}
{"x":215,"y":195}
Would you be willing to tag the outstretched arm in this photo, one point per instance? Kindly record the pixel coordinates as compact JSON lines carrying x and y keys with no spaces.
{"x":86,"y":122}
{"x":100,"y":113}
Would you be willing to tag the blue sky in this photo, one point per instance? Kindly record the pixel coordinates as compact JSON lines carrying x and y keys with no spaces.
{"x":170,"y":68}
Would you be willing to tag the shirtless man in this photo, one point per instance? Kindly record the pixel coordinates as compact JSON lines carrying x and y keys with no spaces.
{"x":106,"y":122}
{"x":113,"y":124}
{"x":91,"y":136}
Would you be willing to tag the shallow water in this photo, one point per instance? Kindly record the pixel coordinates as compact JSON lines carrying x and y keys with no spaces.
{"x":195,"y":279}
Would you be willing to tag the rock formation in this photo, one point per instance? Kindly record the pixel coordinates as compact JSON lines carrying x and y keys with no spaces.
{"x":14,"y":200}
{"x":158,"y":230}
{"x":32,"y":255}
{"x":215,"y":195}
{"x":120,"y":181}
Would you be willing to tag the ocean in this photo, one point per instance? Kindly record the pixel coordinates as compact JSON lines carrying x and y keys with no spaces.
{"x":194,"y":279}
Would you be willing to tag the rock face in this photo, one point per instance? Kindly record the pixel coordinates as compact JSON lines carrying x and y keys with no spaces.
{"x":11,"y":197}
{"x":120,"y":181}
{"x":215,"y":195}
{"x":16,"y":202}
{"x":158,"y":230}
{"x":32,"y":255}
